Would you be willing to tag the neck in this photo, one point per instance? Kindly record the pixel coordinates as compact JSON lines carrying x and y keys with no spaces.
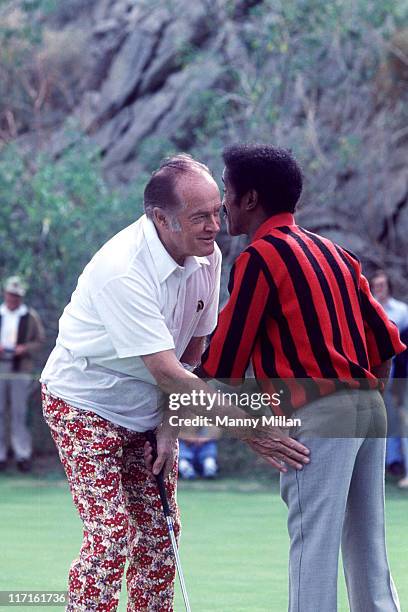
{"x":255,"y":223}
{"x":171,"y":248}
{"x":174,"y":253}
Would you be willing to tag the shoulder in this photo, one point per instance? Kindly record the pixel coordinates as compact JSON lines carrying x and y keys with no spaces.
{"x":349,"y":255}
{"x":342,"y":251}
{"x":116,"y":255}
{"x":125,"y":255}
{"x":275,"y":243}
{"x":33,"y":314}
{"x":251,"y":261}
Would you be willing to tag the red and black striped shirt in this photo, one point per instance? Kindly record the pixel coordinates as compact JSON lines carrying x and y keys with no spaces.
{"x":299,"y":309}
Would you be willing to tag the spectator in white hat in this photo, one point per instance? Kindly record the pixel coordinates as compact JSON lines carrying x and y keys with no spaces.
{"x":21,"y":335}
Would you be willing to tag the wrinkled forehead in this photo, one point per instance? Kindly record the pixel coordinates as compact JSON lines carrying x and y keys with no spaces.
{"x":195,"y":177}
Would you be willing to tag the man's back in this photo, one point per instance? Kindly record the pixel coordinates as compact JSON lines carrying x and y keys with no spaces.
{"x":300,"y":308}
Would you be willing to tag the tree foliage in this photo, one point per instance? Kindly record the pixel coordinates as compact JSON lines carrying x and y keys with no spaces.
{"x":304,"y":75}
{"x":29,"y":83}
{"x":54,"y":217}
{"x":309,"y":80}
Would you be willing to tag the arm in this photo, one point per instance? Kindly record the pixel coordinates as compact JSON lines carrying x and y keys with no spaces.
{"x":171,"y":377}
{"x":383,"y":339}
{"x":36,"y":339}
{"x":166,"y":434}
{"x":383,"y":342}
{"x":382,"y":372}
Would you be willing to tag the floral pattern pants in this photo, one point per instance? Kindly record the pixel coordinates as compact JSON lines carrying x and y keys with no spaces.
{"x":121,"y":513}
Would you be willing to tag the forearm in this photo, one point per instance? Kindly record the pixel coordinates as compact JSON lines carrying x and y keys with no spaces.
{"x":205,"y":401}
{"x":188,"y":393}
{"x":193,"y":395}
{"x":33,"y":347}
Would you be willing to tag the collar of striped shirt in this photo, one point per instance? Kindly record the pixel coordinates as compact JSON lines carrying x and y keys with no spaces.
{"x":280,"y":220}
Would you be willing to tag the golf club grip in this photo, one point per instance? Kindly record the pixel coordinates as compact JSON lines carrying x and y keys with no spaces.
{"x":151,"y":437}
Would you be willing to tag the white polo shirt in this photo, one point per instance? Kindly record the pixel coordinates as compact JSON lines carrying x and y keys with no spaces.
{"x":10,"y":320}
{"x":132,"y":299}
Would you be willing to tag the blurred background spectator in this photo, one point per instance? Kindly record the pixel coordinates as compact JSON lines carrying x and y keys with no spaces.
{"x":397,"y":311}
{"x":400,"y":394}
{"x":21,"y":335}
{"x":198,"y":452}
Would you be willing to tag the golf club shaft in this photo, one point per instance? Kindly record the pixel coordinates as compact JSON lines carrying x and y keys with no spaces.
{"x":178,"y":562}
{"x":150,"y":435}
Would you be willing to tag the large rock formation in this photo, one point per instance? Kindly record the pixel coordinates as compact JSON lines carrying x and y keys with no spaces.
{"x":185,"y":75}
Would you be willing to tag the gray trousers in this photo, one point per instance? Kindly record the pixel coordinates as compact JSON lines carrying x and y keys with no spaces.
{"x":14,"y":391}
{"x":338,"y":501}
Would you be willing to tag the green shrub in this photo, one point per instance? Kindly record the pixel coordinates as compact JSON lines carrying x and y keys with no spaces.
{"x":54,"y":216}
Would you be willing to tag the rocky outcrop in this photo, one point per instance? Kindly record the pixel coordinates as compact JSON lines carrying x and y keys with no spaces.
{"x":179,"y":71}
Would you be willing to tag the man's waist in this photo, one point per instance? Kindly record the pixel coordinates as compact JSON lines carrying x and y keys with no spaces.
{"x":295,"y":393}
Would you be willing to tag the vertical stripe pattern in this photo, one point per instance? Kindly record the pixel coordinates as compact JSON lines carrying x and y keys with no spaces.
{"x":301,"y":309}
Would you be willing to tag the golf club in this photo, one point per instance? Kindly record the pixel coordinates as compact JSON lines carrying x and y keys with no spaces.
{"x":151,"y":437}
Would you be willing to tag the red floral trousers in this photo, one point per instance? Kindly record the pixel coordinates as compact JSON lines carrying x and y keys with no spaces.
{"x":121,"y":513}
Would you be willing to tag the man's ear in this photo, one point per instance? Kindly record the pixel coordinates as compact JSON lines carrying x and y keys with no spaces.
{"x":160,"y":218}
{"x":252,"y":199}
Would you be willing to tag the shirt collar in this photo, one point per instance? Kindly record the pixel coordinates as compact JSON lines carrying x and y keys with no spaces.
{"x":163,"y":261}
{"x":19,"y":312}
{"x":280,"y":220}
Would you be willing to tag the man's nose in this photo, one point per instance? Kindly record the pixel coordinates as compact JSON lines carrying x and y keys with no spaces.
{"x":213,"y":223}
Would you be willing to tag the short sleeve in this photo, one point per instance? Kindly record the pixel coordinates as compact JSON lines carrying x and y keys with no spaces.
{"x":383,"y":339}
{"x":208,"y":319}
{"x":129,"y":309}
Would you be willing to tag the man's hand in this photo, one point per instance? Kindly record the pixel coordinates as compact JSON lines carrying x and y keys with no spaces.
{"x":269,"y":442}
{"x":166,"y":453}
{"x":20,"y":349}
{"x":276,"y":449}
{"x":382,"y":372}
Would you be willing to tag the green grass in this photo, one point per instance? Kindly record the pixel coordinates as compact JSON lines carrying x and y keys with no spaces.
{"x":233,"y":549}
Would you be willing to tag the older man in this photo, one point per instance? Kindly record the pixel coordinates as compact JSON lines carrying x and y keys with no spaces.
{"x":301,"y":311}
{"x":21,"y":336}
{"x":142,"y":306}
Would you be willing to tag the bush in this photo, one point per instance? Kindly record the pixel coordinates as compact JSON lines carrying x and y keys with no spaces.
{"x":54,"y":217}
